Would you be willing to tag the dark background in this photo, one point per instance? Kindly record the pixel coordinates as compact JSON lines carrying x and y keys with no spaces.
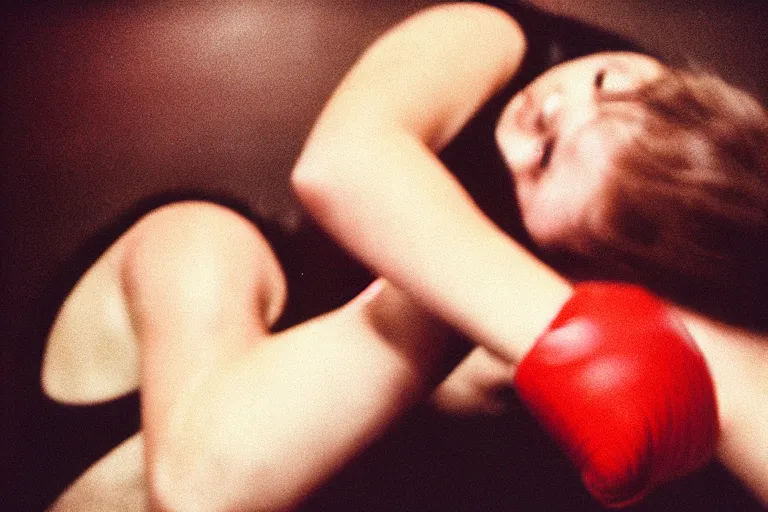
{"x":111,"y":107}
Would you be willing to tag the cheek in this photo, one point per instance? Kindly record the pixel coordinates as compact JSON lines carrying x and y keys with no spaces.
{"x":554,"y":207}
{"x":539,"y":211}
{"x":544,"y":212}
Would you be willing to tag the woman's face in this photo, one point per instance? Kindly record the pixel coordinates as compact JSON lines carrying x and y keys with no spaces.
{"x":558,"y":151}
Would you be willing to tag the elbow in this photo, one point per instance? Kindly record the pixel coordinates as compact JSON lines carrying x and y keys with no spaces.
{"x":348,"y":166}
{"x":321,"y":182}
{"x":312,"y":186}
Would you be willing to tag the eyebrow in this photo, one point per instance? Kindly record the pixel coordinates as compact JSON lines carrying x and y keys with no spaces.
{"x":628,"y":95}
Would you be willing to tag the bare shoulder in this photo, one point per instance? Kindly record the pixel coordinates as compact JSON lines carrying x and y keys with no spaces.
{"x":200,"y":253}
{"x":191,"y":234}
{"x":190,"y":220}
{"x":461,"y":22}
{"x":464,"y":12}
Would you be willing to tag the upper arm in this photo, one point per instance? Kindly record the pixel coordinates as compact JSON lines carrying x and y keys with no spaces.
{"x":428,"y":75}
{"x":202,"y":287}
{"x":370,"y":176}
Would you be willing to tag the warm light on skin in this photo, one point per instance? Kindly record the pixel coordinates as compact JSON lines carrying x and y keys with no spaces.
{"x":558,"y":150}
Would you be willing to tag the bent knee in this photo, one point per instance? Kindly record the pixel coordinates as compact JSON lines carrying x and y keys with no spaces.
{"x":198,"y":258}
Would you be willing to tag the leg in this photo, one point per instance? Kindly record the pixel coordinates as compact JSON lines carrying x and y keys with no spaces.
{"x":235,"y":416}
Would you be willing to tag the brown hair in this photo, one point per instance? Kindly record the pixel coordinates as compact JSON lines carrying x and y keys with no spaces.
{"x":686,"y":211}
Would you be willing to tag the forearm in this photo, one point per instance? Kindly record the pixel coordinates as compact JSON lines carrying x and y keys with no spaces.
{"x":370,"y":176}
{"x":743,"y":448}
{"x":738,"y":361}
{"x":422,"y":231}
{"x":263,"y":432}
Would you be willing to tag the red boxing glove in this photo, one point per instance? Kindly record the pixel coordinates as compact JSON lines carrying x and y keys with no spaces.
{"x":623,"y":389}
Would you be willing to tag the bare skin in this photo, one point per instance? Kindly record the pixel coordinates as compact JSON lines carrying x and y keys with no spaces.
{"x":371,"y":159}
{"x":201,"y":289}
{"x":117,"y":482}
{"x":372,"y":146}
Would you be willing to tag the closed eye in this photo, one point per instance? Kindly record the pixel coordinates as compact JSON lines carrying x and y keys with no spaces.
{"x":600,"y":79}
{"x":546,"y":155}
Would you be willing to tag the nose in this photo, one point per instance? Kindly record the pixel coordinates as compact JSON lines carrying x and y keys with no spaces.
{"x":563,"y":114}
{"x":550,"y":109}
{"x":522,"y":152}
{"x":528,"y":145}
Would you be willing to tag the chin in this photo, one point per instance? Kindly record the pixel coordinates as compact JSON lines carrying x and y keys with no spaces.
{"x":542,"y":238}
{"x":564,"y":241}
{"x":540,"y":228}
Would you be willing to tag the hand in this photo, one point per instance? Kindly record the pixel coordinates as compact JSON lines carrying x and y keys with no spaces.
{"x":620,"y":384}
